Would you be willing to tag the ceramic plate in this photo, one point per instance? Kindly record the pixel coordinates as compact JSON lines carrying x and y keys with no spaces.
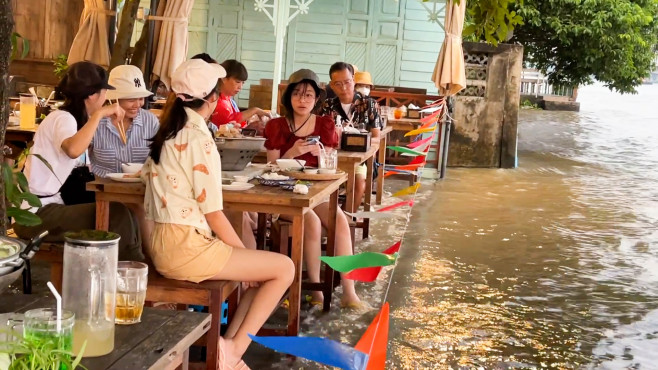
{"x":237,"y":186}
{"x":123,"y":177}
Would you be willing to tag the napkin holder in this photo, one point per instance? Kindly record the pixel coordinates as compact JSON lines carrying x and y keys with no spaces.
{"x":352,"y":142}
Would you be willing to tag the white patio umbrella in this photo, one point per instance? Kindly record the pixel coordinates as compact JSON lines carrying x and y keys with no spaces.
{"x":90,"y":43}
{"x":449,"y":75}
{"x":173,"y":40}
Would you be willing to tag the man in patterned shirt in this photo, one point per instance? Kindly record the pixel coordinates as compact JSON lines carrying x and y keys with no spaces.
{"x":362,"y":111}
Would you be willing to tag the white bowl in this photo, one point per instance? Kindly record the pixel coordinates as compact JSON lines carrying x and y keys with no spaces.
{"x":312,"y":171}
{"x":131,"y":167}
{"x":327,"y":171}
{"x":294,"y":164}
{"x":241,"y":178}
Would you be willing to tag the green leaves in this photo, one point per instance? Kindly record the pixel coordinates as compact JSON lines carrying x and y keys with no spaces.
{"x":575,"y":42}
{"x":491,"y":20}
{"x":14,"y":45}
{"x":17,"y":193}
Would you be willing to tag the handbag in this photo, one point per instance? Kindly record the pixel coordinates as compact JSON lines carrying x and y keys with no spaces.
{"x":74,"y":189}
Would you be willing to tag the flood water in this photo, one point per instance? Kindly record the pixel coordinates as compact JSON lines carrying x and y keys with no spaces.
{"x":551,"y":265}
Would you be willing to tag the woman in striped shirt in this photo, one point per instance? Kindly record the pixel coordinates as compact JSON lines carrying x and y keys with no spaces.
{"x":125,"y":141}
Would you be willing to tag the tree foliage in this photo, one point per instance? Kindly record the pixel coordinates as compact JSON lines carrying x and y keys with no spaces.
{"x":575,"y":42}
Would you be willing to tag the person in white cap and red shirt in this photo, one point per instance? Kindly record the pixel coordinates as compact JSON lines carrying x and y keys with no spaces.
{"x":193,"y":240}
{"x":127,"y":140}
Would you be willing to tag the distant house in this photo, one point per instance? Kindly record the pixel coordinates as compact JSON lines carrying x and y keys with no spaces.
{"x":394,"y":40}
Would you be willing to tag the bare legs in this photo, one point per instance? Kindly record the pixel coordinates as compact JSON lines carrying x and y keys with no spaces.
{"x":275,"y":273}
{"x":312,"y":236}
{"x":248,"y":226}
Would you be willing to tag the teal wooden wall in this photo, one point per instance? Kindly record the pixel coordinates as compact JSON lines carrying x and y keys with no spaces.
{"x":393,"y":40}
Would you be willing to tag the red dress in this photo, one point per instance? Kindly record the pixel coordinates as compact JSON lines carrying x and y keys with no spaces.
{"x":227,"y":111}
{"x":279,"y":137}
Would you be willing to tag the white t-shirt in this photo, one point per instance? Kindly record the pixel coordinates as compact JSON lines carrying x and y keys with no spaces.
{"x":55,"y":128}
{"x":346,"y":109}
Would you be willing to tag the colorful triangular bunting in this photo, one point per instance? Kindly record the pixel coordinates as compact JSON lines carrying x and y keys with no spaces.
{"x":374,"y":341}
{"x":408,"y":190}
{"x":356,"y":261}
{"x":369,"y":274}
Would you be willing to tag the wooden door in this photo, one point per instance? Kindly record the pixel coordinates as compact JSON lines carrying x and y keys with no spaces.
{"x":224,"y":29}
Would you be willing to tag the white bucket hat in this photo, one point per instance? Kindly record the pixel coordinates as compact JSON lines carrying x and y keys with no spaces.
{"x":196,"y":78}
{"x":128,"y":82}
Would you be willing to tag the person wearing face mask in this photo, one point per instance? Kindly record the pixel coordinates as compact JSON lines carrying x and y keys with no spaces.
{"x":192,"y":239}
{"x":352,"y":106}
{"x":362,"y":83}
{"x":62,"y":141}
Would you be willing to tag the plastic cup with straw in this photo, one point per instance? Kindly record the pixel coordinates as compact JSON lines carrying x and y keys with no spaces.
{"x":58,"y":298}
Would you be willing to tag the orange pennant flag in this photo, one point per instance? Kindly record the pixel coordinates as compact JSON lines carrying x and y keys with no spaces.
{"x":409,"y":167}
{"x":374,"y":341}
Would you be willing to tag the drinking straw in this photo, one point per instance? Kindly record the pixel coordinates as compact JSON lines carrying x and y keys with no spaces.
{"x":58,"y":298}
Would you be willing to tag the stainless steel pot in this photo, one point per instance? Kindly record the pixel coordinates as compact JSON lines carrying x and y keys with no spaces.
{"x":18,"y":252}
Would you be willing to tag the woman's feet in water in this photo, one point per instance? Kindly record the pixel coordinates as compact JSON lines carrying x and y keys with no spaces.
{"x":227,"y":358}
{"x":351,"y":301}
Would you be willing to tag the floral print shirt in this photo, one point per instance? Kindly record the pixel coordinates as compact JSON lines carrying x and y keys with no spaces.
{"x":187,"y":183}
{"x":364,"y":110}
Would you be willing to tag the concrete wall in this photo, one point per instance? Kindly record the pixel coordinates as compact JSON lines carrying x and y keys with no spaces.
{"x":486,"y":112}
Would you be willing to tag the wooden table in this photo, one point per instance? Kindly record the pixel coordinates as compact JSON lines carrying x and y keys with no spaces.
{"x":383,"y":139}
{"x":17,"y":134}
{"x":261,"y":199}
{"x":348,"y":162}
{"x":161,"y":341}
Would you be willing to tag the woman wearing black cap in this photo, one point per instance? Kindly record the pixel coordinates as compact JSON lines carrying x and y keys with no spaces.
{"x":62,"y":141}
{"x":286,"y":138}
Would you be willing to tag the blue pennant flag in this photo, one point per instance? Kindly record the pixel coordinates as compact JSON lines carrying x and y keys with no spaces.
{"x":322,"y":350}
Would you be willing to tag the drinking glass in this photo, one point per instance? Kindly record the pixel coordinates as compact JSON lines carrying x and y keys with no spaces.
{"x":132,"y":278}
{"x":40,"y":327}
{"x":28,"y":109}
{"x":329,"y":159}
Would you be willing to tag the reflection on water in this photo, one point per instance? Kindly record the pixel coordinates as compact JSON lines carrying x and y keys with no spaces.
{"x":551,"y":265}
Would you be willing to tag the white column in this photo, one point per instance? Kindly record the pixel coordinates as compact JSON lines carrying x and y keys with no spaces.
{"x":281,"y":14}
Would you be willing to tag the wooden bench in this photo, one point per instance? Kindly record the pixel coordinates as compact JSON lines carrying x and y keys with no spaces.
{"x":160,"y":289}
{"x":207,"y":293}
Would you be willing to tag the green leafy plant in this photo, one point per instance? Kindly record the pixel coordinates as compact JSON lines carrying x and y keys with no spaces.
{"x":28,"y":354}
{"x":14,"y":45}
{"x":61,"y":65}
{"x":491,"y":20}
{"x":527,"y":104}
{"x":17,"y":190}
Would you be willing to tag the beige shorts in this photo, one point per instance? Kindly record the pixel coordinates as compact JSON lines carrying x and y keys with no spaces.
{"x":184,"y":252}
{"x":362,"y":170}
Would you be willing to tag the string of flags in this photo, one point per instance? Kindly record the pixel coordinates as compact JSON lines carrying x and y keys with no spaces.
{"x":370,"y":351}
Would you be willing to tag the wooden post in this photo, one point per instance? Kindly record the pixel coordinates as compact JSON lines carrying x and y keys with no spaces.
{"x":125,"y":33}
{"x":6,"y":28}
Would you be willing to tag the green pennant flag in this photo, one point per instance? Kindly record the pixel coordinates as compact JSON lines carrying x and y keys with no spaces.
{"x":361,"y":260}
{"x":403,"y":149}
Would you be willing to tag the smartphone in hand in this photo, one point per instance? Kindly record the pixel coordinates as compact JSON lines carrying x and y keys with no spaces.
{"x":313,"y":140}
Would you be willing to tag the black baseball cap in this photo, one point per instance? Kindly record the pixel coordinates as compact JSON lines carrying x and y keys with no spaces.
{"x":84,"y":79}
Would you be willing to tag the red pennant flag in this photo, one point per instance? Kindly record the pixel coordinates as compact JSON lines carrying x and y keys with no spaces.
{"x":374,"y":341}
{"x":396,"y":205}
{"x":418,"y":143}
{"x":418,"y":159}
{"x":369,"y":274}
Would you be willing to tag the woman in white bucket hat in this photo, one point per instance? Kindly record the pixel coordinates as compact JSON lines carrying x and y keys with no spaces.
{"x":193,"y":240}
{"x":127,"y":140}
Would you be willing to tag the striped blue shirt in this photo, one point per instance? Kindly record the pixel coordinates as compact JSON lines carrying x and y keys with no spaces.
{"x":107,"y":150}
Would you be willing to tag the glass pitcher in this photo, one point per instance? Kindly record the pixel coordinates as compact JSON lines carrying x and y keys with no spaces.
{"x":89,"y":288}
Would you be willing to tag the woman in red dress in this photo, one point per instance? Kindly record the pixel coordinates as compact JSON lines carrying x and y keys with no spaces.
{"x":286,"y":138}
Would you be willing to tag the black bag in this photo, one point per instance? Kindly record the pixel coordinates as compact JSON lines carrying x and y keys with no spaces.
{"x":74,"y":189}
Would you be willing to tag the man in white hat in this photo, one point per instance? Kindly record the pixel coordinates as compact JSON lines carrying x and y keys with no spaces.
{"x":125,"y":141}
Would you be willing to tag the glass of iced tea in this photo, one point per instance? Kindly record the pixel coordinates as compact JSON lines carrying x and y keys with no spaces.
{"x":131,"y":291}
